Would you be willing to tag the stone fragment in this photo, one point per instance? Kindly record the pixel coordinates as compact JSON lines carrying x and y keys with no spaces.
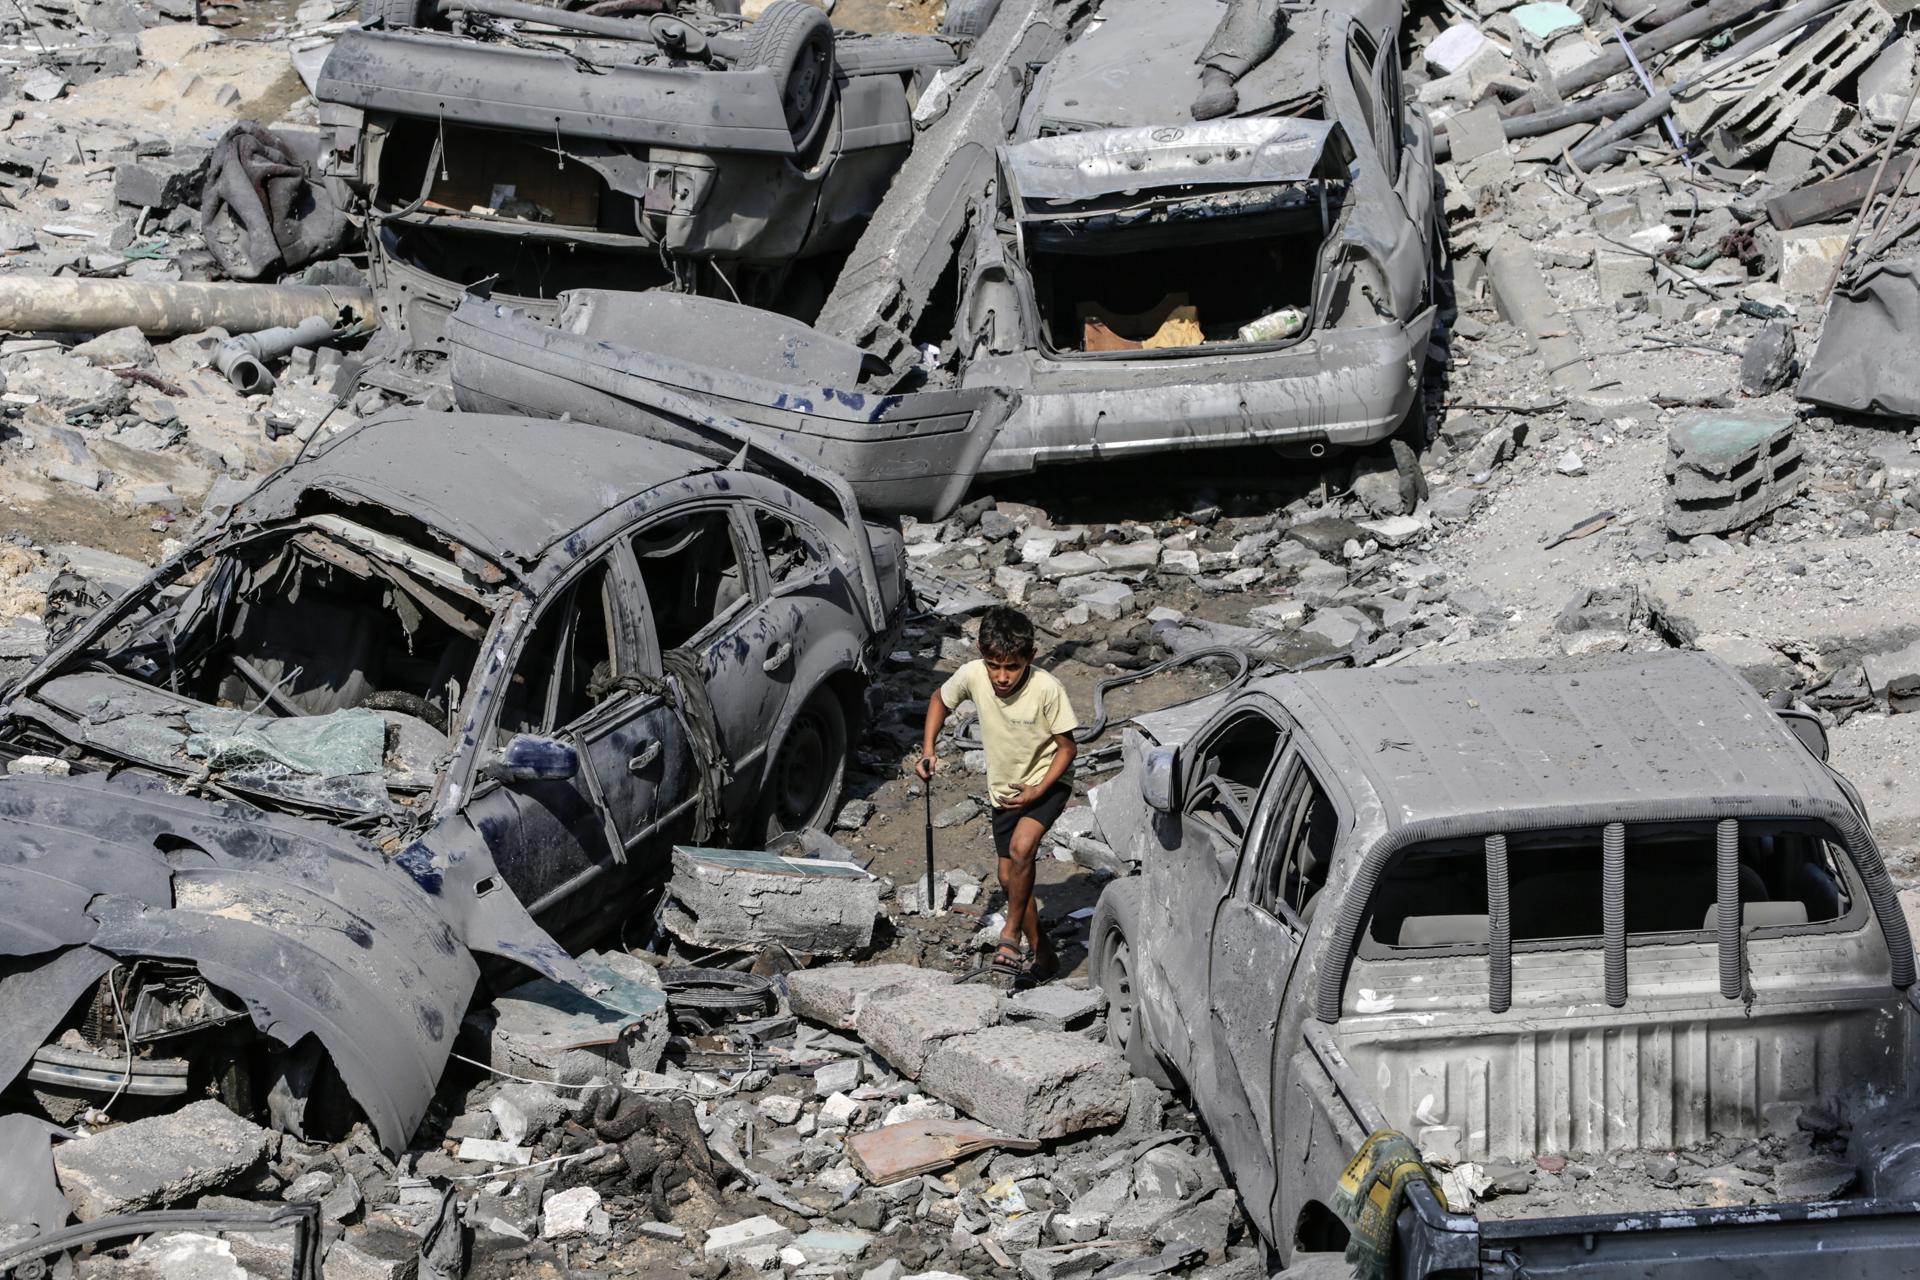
{"x":1814,"y":1178}
{"x":117,"y":346}
{"x":752,"y":1233}
{"x":161,"y":183}
{"x":374,"y":1251}
{"x":525,"y":1111}
{"x":906,"y":1028}
{"x":1807,"y":259}
{"x":1033,"y":1084}
{"x":575,"y":1212}
{"x":835,"y":995}
{"x":67,"y":385}
{"x":158,"y":1161}
{"x":1768,"y":362}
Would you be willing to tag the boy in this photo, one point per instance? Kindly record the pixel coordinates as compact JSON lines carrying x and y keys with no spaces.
{"x":1026,"y":724}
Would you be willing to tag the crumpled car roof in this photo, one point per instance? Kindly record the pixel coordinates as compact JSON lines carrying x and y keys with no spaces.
{"x":313,"y":931}
{"x":505,"y":487}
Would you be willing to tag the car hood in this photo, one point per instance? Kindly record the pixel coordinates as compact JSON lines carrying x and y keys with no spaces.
{"x":315,"y":933}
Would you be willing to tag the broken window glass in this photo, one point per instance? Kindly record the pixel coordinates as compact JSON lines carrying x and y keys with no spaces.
{"x":568,"y":660}
{"x":793,"y":551}
{"x":1299,"y":848}
{"x":693,"y":571}
{"x":1788,"y":875}
{"x":1230,"y":768}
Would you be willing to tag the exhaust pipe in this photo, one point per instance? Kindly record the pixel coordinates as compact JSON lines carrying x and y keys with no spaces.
{"x":1318,"y":449}
{"x":242,"y":360}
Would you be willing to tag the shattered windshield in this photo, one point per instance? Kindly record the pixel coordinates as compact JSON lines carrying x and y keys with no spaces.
{"x":320,"y":664}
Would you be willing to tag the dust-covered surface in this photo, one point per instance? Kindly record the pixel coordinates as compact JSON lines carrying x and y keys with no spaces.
{"x":1528,"y":520}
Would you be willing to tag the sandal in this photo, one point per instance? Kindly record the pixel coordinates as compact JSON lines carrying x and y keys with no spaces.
{"x":1045,"y":968}
{"x":1008,"y":962}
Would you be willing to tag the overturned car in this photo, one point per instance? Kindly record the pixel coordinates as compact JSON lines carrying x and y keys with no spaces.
{"x":266,"y":809}
{"x":674,"y":147}
{"x":1127,"y":279}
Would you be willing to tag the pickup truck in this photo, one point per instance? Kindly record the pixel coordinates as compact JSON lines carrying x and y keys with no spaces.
{"x":1512,"y":911}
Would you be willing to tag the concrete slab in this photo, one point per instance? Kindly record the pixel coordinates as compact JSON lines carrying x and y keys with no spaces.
{"x":156,"y":1162}
{"x":744,"y":899}
{"x":835,"y":995}
{"x":906,"y":1028}
{"x":1035,"y":1084}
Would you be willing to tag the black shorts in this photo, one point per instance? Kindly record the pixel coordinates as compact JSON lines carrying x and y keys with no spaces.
{"x":1046,"y":811}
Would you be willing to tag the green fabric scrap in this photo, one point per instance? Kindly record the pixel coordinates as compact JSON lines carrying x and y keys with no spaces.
{"x":1370,"y":1196}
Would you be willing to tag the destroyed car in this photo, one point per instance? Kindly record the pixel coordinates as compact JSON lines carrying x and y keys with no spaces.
{"x":1514,"y":911}
{"x":544,"y":149}
{"x":1123,"y":280}
{"x":1151,"y":282}
{"x":451,"y":686}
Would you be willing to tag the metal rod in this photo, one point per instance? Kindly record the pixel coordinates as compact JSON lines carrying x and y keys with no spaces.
{"x":1613,"y":902}
{"x":1727,"y":908}
{"x":1879,"y":172}
{"x":1499,"y":929}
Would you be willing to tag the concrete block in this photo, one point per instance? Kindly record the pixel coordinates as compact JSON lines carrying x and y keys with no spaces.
{"x":159,"y":1161}
{"x":1620,"y":275}
{"x":752,"y":1233}
{"x":906,"y":1028}
{"x":525,"y":1111}
{"x":552,"y":1031}
{"x":1453,"y":49}
{"x":1807,"y":258}
{"x":161,"y":182}
{"x":373,"y":1251}
{"x":1034,"y":1084}
{"x":1109,"y":601}
{"x":1129,"y":555}
{"x":835,"y":995}
{"x":1476,"y":133}
{"x":744,"y":899}
{"x":1725,"y":471}
{"x":1070,"y":564}
{"x":572,"y":1213}
{"x":1055,"y":1006}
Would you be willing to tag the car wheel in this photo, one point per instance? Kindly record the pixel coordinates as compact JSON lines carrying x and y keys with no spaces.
{"x":398,"y":13}
{"x":802,"y":783}
{"x":1115,"y":926}
{"x":795,"y":41}
{"x":968,"y":19}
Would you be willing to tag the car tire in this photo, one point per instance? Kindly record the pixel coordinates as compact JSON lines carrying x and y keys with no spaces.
{"x":1115,"y":926}
{"x":968,"y":19}
{"x":392,"y":14}
{"x":795,"y":41}
{"x":801,"y":786}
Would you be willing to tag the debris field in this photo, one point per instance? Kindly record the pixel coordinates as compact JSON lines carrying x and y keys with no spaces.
{"x":475,"y":559}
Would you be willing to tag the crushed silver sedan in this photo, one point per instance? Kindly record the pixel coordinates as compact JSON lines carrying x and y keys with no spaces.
{"x":267,"y":808}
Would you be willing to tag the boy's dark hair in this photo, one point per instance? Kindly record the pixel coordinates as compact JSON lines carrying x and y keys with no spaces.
{"x":1006,"y":633}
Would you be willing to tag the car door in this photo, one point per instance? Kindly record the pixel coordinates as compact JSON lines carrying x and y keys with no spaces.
{"x":553,"y":840}
{"x":1222,"y":770}
{"x":702,"y":594}
{"x":1256,"y":937}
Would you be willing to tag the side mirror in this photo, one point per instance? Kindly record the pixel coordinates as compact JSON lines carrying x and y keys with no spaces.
{"x":1806,"y":727}
{"x":528,"y":757}
{"x":1160,"y":780}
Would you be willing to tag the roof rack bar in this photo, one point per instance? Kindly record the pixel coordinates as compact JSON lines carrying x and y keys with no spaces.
{"x":1499,"y":929}
{"x":1613,"y":902}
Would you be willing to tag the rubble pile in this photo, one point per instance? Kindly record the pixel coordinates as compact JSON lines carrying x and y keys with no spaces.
{"x":1660,"y":413}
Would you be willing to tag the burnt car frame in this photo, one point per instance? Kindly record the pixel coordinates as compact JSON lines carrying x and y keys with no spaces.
{"x":1117,"y":215}
{"x":460,"y":717}
{"x":543,"y":149}
{"x":1072,"y":172}
{"x":1512,"y":909}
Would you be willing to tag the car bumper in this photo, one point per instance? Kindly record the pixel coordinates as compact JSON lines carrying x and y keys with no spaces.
{"x":1349,"y":387}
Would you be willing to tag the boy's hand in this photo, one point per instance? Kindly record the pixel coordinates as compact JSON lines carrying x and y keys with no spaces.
{"x":1019,"y":795}
{"x":925,"y":767}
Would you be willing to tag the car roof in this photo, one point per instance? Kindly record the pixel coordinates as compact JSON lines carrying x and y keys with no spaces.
{"x":505,"y":487}
{"x":1649,"y":734}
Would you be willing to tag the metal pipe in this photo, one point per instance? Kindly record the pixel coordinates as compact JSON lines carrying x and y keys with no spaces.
{"x":1536,"y":123}
{"x":1703,"y":21}
{"x":1499,"y":928}
{"x":30,"y":304}
{"x":243,"y":360}
{"x":1613,"y":903}
{"x":1726,"y":852}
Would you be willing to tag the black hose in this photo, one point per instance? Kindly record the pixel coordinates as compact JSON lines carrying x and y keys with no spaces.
{"x":1613,"y":903}
{"x":1726,"y":857}
{"x":1499,"y":928}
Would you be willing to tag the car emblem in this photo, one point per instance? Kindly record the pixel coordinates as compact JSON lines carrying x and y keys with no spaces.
{"x":1169,"y":135}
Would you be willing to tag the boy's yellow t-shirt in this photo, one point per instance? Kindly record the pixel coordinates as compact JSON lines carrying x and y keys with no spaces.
{"x":1017,"y":731}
